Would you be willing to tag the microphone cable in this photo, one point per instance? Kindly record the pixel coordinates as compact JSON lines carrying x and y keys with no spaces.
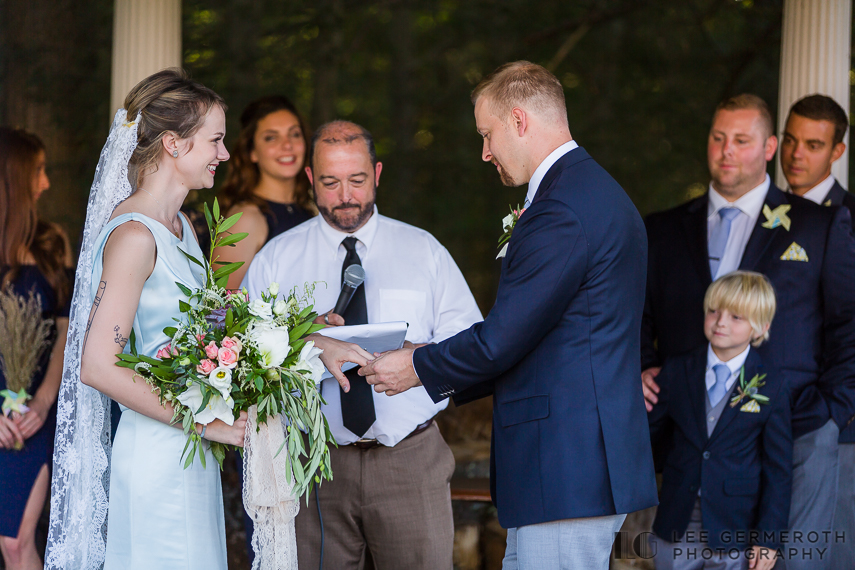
{"x":321,"y":523}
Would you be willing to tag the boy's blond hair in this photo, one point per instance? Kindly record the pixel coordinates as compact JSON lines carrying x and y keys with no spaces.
{"x":747,"y":294}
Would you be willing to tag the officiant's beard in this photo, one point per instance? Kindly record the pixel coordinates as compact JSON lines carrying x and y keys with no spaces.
{"x":347,"y":217}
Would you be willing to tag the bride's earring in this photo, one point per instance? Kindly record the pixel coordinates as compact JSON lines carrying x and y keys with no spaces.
{"x":175,"y":154}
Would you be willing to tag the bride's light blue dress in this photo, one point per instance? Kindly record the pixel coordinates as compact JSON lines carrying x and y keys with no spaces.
{"x":161,"y":515}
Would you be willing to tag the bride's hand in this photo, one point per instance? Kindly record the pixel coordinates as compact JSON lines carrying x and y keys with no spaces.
{"x":336,"y":353}
{"x":222,"y":432}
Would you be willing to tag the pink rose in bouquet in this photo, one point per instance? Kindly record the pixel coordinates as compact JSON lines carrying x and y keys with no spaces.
{"x":227,"y":358}
{"x":211,"y":350}
{"x":206,"y":367}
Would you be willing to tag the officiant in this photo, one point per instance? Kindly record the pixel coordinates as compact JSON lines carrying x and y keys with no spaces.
{"x":390,"y":491}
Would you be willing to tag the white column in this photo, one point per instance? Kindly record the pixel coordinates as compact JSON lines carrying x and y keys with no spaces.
{"x":815,"y":59}
{"x":146,"y":39}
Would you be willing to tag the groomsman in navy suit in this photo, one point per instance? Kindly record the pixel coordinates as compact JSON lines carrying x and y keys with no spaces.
{"x":559,"y":349}
{"x":812,"y":142}
{"x":808,"y":253}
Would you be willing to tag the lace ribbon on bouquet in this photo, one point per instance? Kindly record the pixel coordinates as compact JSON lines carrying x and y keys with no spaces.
{"x":268,"y":494}
{"x":81,"y":464}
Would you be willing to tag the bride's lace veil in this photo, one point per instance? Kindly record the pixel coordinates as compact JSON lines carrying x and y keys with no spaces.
{"x":81,"y":475}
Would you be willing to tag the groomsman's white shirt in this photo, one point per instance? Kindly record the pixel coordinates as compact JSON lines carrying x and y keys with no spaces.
{"x":750,"y":205}
{"x":409,"y":276}
{"x":818,"y":193}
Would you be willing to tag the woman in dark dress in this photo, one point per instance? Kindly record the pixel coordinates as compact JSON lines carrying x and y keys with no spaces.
{"x":266,"y":179}
{"x":34,"y":256}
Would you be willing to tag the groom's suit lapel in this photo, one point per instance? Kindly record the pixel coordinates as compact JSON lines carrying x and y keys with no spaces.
{"x":762,"y":237}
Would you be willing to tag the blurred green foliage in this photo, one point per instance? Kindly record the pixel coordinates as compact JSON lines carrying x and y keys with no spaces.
{"x":641,"y":80}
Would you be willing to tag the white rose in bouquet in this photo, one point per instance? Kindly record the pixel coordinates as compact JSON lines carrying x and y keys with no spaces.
{"x":261,"y":309}
{"x":310,"y":361}
{"x":273,"y":344}
{"x":221,"y":379}
{"x":217,"y":408}
{"x":280,"y":307}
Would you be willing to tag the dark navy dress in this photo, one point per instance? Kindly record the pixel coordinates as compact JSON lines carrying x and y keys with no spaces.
{"x":18,"y":469}
{"x":282,"y":217}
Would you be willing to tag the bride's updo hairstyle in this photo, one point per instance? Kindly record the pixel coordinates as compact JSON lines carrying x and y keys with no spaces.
{"x":169,"y":102}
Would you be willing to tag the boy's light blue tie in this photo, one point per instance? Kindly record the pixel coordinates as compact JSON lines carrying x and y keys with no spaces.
{"x":718,"y":390}
{"x":527,"y":203}
{"x":718,"y":238}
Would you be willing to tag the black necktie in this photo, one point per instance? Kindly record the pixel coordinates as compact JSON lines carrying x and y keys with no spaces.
{"x":357,"y":406}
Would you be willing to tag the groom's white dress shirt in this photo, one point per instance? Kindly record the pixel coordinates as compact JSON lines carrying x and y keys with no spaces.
{"x":409,"y":276}
{"x":543,"y":168}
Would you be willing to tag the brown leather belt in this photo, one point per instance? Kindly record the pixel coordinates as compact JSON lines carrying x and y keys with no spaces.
{"x":364,"y":444}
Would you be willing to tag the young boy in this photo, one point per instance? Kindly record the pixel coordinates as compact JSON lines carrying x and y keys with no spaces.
{"x":727,"y":477}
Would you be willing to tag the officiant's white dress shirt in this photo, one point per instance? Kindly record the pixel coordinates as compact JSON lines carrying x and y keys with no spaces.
{"x":409,"y":276}
{"x":750,"y":204}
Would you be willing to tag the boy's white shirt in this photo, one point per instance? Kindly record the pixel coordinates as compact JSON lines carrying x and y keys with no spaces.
{"x":735,"y":364}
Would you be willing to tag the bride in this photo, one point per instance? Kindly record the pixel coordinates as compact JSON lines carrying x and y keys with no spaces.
{"x":167,"y":141}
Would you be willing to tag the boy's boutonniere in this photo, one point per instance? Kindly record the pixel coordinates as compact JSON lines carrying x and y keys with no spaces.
{"x":749,"y":391}
{"x":776,"y":217}
{"x":508,"y":224}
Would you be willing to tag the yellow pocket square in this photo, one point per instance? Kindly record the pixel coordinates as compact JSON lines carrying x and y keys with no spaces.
{"x":795,"y":253}
{"x":750,"y":406}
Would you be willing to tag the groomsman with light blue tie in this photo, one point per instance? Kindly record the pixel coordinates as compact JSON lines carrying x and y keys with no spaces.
{"x":808,"y":254}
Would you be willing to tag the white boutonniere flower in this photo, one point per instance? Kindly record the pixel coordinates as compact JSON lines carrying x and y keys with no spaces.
{"x":509,"y":222}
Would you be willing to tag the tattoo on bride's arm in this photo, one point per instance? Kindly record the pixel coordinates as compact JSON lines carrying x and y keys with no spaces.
{"x":120,"y":340}
{"x":102,"y":286}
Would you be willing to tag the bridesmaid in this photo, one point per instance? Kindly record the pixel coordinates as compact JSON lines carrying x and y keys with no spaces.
{"x":266,"y":179}
{"x":34,"y":256}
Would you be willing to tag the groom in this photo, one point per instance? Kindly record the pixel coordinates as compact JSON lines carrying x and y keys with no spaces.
{"x":559,"y":350}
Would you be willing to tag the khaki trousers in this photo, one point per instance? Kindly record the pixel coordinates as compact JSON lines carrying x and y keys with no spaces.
{"x":394,"y":501}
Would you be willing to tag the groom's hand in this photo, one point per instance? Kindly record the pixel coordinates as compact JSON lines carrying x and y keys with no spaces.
{"x":392,"y":372}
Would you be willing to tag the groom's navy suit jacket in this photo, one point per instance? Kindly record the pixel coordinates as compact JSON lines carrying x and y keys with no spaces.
{"x":559,"y":352}
{"x":744,"y":470}
{"x":812,"y":338}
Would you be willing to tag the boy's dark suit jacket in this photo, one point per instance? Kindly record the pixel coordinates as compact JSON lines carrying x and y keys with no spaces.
{"x":837,"y":196}
{"x":559,"y":352}
{"x":744,"y":470}
{"x":812,"y":340}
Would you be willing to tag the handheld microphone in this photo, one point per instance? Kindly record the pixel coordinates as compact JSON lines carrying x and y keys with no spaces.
{"x":354,"y":275}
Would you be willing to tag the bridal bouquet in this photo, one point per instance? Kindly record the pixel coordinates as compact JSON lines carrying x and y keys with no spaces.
{"x":230,"y":355}
{"x":24,"y":334}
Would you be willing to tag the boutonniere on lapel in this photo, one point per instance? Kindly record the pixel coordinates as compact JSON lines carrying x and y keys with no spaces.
{"x":749,"y":392}
{"x":794,"y":253}
{"x":508,"y":224}
{"x":776,"y":217}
